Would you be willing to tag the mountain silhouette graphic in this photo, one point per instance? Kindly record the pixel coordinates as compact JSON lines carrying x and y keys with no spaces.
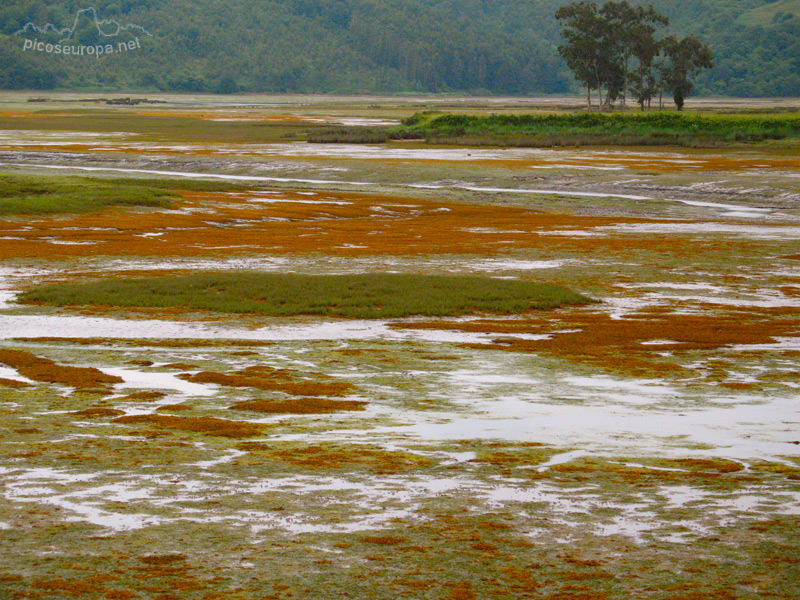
{"x":85,"y":19}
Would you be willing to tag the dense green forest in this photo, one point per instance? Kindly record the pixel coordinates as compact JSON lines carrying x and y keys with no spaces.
{"x":472,"y":46}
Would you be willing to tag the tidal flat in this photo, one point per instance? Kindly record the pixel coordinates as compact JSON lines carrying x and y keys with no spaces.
{"x":643,"y":446}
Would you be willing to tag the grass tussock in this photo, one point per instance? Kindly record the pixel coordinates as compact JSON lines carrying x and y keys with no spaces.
{"x":364,"y":296}
{"x":41,"y":195}
{"x":45,"y":370}
{"x":577,"y":129}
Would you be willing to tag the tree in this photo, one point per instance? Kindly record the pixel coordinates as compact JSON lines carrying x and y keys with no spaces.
{"x":588,"y":50}
{"x":685,"y":59}
{"x":600,"y":44}
{"x":633,"y":37}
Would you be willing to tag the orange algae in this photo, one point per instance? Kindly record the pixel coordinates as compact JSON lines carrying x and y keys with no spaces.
{"x":300,"y":406}
{"x":207,"y":425}
{"x":45,"y":370}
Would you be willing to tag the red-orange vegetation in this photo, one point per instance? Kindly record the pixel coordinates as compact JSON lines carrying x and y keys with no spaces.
{"x":74,"y":589}
{"x":300,"y":406}
{"x":142,"y":397}
{"x":270,"y":379}
{"x":98,"y":412}
{"x":174,"y":408}
{"x":461,"y":591}
{"x":206,"y":425}
{"x":44,"y":369}
{"x":349,"y":224}
{"x":384,"y":540}
{"x":13,"y":383}
{"x":338,"y":457}
{"x":621,"y":345}
{"x":121,"y":595}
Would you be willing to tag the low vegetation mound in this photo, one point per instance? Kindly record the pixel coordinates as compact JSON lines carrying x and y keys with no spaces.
{"x":40,"y":195}
{"x":205,"y":425}
{"x":45,"y":370}
{"x":364,"y":296}
{"x":651,"y":128}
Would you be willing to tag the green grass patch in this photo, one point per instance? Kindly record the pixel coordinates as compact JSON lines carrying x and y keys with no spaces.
{"x":39,"y":195}
{"x":647,"y":128}
{"x":363,"y":296}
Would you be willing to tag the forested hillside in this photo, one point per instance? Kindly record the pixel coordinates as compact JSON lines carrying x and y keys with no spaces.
{"x":476,"y":46}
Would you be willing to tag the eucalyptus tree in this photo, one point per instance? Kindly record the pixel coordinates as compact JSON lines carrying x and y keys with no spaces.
{"x":613,"y":49}
{"x":586,"y":47}
{"x":684,"y":59}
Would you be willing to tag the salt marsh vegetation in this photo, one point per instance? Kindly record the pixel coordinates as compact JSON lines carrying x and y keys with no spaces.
{"x":645,"y":445}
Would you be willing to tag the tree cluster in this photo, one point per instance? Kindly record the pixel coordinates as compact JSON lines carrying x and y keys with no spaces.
{"x":614,"y":51}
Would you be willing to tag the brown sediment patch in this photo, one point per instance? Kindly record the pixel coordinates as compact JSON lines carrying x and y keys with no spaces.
{"x":45,"y":370}
{"x":13,"y":383}
{"x":300,"y":406}
{"x":206,"y":425}
{"x":792,"y":256}
{"x":98,"y":412}
{"x":318,"y":456}
{"x":179,"y":366}
{"x":271,"y":379}
{"x":643,"y":345}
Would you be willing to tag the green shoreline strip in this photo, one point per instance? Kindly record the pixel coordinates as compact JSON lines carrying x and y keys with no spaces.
{"x":362,"y":296}
{"x":580,"y":129}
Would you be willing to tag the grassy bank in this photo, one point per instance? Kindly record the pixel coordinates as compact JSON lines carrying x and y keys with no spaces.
{"x":37,"y":195}
{"x":44,"y":194}
{"x":353,"y":296}
{"x":580,"y":129}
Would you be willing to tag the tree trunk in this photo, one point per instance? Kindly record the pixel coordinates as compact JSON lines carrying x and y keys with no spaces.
{"x":589,"y":97}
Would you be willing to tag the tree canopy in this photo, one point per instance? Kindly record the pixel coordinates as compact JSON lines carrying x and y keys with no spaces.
{"x":613,"y":49}
{"x":383,"y":46}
